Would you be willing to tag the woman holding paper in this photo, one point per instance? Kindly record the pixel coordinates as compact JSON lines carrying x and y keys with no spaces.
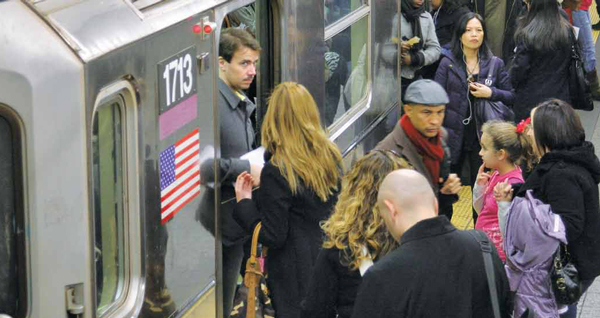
{"x":299,"y":186}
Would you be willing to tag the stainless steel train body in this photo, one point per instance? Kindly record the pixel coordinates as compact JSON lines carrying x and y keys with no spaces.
{"x":95,"y":95}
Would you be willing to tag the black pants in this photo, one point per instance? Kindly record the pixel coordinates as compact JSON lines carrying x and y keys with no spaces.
{"x":232,"y":262}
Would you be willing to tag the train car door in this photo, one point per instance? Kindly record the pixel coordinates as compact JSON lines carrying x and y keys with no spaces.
{"x":151,"y":127}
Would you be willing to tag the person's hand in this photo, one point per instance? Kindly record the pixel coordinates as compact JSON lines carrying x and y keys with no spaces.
{"x":255,"y":171}
{"x":482,"y":176}
{"x":452,"y":184}
{"x":243,"y":186}
{"x":479,"y":90}
{"x":503,"y":191}
{"x":405,"y":47}
{"x":406,"y":60}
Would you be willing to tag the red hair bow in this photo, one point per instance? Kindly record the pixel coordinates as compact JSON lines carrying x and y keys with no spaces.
{"x":521,"y":126}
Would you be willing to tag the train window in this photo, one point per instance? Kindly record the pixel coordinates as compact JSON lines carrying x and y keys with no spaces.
{"x":337,"y":9}
{"x":9,"y":269}
{"x":346,"y":74}
{"x":108,"y":204}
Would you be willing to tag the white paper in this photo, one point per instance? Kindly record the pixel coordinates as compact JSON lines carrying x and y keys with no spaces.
{"x":256,"y":156}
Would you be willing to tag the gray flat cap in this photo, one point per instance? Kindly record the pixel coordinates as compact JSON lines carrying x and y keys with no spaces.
{"x":425,"y":92}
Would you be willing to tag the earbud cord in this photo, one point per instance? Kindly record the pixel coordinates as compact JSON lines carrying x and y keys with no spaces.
{"x":467,"y":120}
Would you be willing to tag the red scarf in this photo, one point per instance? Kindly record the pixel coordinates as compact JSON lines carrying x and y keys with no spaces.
{"x":429,"y":148}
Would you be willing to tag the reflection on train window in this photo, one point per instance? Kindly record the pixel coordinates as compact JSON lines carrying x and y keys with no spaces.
{"x":345,"y":70}
{"x":243,"y":18}
{"x":9,"y":290}
{"x":109,"y":209}
{"x":337,"y":9}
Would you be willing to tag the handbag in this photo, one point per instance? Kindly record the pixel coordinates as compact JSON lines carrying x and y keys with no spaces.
{"x":252,"y":299}
{"x":565,"y":278}
{"x":579,"y":87}
{"x":486,"y":110}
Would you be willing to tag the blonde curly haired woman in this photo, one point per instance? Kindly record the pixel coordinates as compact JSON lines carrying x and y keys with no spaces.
{"x":355,"y":237}
{"x":298,"y":188}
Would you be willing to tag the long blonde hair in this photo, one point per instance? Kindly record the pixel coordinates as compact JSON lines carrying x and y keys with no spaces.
{"x":356,"y":221}
{"x":292,"y":133}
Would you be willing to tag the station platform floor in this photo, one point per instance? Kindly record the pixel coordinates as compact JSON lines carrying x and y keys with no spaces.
{"x":589,"y":304}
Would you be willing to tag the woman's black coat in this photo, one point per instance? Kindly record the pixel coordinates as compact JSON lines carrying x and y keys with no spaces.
{"x":333,"y":287}
{"x":445,"y":21}
{"x":568,"y":181}
{"x":291,"y":231}
{"x":538,"y":76}
{"x":453,"y":77}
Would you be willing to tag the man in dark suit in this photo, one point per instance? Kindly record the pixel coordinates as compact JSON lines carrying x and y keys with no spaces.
{"x":437,"y":271}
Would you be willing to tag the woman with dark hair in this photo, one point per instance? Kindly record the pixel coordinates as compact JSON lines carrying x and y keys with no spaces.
{"x":464,"y":73}
{"x":543,"y":53}
{"x":567,"y":178}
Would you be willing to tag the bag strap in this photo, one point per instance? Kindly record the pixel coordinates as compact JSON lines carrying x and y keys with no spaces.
{"x":575,"y":50}
{"x":486,"y":249}
{"x":488,"y":80}
{"x":253,"y":274}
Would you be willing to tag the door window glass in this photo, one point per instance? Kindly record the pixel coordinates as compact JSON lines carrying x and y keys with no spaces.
{"x":337,"y":9}
{"x":9,"y":271}
{"x":346,"y":73}
{"x":108,"y":204}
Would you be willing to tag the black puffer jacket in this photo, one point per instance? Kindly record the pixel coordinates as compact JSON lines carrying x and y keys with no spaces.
{"x":453,"y":78}
{"x":568,"y":181}
{"x":445,"y":20}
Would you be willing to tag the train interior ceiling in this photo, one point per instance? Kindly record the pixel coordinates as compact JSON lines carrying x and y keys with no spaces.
{"x":99,"y":102}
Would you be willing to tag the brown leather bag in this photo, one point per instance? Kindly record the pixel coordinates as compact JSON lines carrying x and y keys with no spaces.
{"x":252,"y":298}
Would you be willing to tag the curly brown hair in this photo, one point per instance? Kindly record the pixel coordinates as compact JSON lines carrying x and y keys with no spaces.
{"x":356,"y":221}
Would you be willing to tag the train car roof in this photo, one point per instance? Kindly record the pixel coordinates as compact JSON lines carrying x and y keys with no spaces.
{"x":92,"y":27}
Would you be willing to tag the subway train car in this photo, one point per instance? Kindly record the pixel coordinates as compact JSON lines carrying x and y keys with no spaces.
{"x":107,"y":108}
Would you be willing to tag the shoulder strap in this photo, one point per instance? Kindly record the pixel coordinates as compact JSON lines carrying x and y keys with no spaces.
{"x":489,"y":81}
{"x":253,"y":274}
{"x":486,"y":249}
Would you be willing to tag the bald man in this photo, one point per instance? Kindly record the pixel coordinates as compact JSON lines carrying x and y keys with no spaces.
{"x":437,"y":271}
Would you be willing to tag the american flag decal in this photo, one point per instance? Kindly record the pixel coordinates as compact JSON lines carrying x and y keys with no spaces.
{"x":179,"y":175}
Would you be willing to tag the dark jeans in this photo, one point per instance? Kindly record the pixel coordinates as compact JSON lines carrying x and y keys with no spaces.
{"x":572,"y":312}
{"x":232,"y":262}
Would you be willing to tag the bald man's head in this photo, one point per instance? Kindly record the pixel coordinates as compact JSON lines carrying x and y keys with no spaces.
{"x":405,"y":198}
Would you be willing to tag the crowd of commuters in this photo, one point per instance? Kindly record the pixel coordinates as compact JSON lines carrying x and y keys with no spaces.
{"x":377,"y":241}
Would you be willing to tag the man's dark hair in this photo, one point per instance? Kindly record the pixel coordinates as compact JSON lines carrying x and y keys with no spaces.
{"x":459,"y":29}
{"x":556,"y":126}
{"x":232,"y":39}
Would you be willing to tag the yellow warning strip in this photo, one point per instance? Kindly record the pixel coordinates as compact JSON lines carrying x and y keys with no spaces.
{"x":462,"y":216}
{"x":594,"y":17}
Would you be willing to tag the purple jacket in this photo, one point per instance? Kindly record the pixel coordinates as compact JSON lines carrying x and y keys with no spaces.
{"x":453,"y":77}
{"x":533,"y":233}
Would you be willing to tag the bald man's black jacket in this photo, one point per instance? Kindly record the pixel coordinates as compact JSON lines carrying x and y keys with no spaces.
{"x":437,"y":271}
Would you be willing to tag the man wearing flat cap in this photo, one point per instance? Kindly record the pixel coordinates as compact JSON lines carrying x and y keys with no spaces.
{"x":420,"y":137}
